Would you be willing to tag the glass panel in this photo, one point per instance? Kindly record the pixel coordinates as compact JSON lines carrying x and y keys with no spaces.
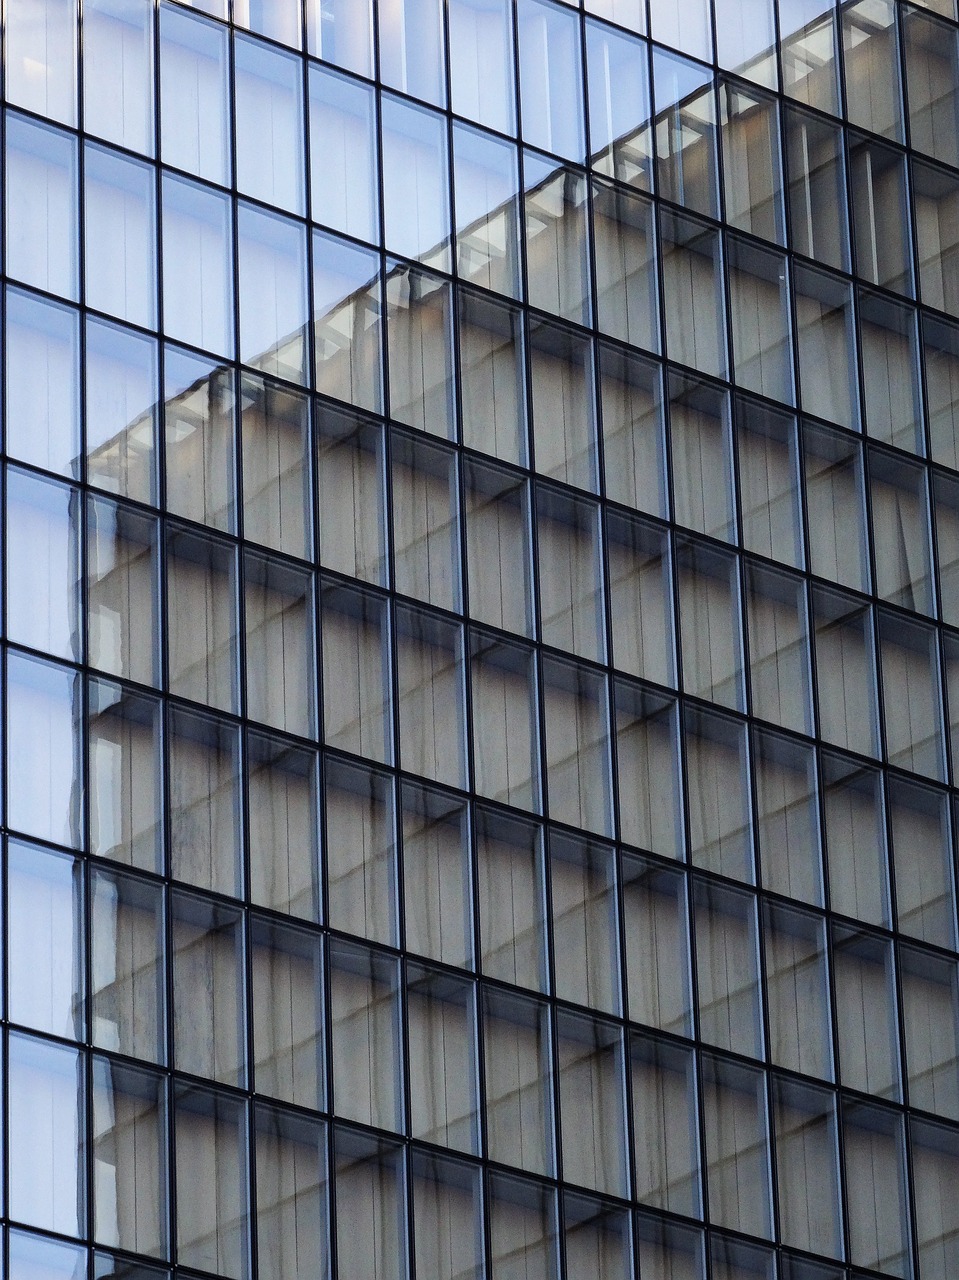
{"x":207,"y":964}
{"x":271,"y":263}
{"x":810,"y":53}
{"x":941,"y":362}
{"x":124,"y":776}
{"x":752,"y":167}
{"x":806,"y":1167}
{"x":876,"y":1192}
{"x":197,"y":265}
{"x":492,"y":377}
{"x":430,"y":697}
{"x":846,"y":672}
{"x":692,"y":292}
{"x":768,"y":467}
{"x":43,"y":719}
{"x":737,"y":1158}
{"x":505,"y":739}
{"x":551,"y":78}
{"x":797,"y":991}
{"x":369,"y":1189}
{"x":911,"y":693}
{"x":347,"y":313}
{"x":420,"y":321}
{"x":360,"y":852}
{"x":570,"y":582}
{"x":356,"y":682}
{"x":563,"y":411}
{"x":889,"y":354}
{"x":827,"y":346}
{"x":343,"y":154}
{"x":656,"y":938}
{"x":287,"y":1005}
{"x":41,"y":207}
{"x":557,"y":248}
{"x":880,"y":213}
{"x":41,"y":38}
{"x":46,"y":1097}
{"x":685,"y":114}
{"x":717,"y":781}
{"x":122,"y":395}
{"x":292,"y":1205}
{"x":935,"y":199}
{"x":211,"y":1182}
{"x":202,"y":628}
{"x":788,"y":826}
{"x":127,"y":1000}
{"x":122,"y":551}
{"x":42,"y":383}
{"x":817,"y":189}
{"x":518,"y":1086}
{"x":129,"y":1158}
{"x":620,"y":132}
{"x":728,"y":969}
{"x":932,"y":68}
{"x":633,"y":446}
{"x":118,"y":72}
{"x":447,"y":1218}
{"x":42,"y":553}
{"x":497,"y":539}
{"x":511,"y":904}
{"x":119,"y":202}
{"x":855,"y":840}
{"x":647,"y":754}
{"x":930,"y":1011}
{"x":350,"y":497}
{"x":577,"y":746}
{"x":481,"y":62}
{"x":746,"y":39}
{"x":689,"y":30}
{"x":365,"y":1024}
{"x":865,"y":1012}
{"x":709,"y":624}
{"x":341,"y":31}
{"x":701,"y":452}
{"x":592,"y":1103}
{"x":486,"y":194}
{"x":934,"y":1170}
{"x":204,"y":782}
{"x":436,"y":876}
{"x":583,"y":899}
{"x":425,"y":500}
{"x":411,"y":48}
{"x":199,"y":404}
{"x":204,"y":786}
{"x":278,"y":609}
{"x":835,"y":505}
{"x":442,"y":1042}
{"x":779,"y":648}
{"x":640,"y":599}
{"x":665,"y":1132}
{"x":283,"y":826}
{"x":759,"y":309}
{"x":194,"y":118}
{"x":268,"y":109}
{"x":415,"y":183}
{"x":44,"y":953}
{"x":871,"y":63}
{"x":922,"y":857}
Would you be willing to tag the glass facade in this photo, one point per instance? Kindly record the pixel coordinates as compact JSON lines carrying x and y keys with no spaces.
{"x":479,"y":663}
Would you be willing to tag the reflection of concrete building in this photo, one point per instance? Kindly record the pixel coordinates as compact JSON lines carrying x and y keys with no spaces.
{"x":481,"y":640}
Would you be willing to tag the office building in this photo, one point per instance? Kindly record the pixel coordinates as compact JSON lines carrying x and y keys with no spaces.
{"x":480,"y":650}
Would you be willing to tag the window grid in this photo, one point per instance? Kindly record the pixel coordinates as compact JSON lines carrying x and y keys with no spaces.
{"x":327,"y":758}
